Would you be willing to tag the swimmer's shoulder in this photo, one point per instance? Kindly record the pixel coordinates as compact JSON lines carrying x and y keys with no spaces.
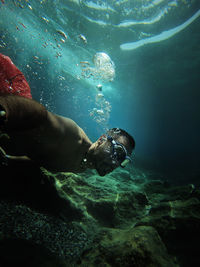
{"x":69,"y":129}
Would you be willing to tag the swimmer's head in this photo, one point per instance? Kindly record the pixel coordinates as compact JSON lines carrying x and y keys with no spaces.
{"x":112,"y":150}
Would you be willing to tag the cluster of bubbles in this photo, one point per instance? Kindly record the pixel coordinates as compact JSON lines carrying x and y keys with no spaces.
{"x":104,"y":68}
{"x":101,"y":113}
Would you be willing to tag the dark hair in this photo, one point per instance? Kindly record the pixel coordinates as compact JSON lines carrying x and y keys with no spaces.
{"x":117,"y":132}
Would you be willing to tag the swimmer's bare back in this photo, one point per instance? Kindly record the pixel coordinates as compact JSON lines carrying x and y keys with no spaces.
{"x":52,"y":141}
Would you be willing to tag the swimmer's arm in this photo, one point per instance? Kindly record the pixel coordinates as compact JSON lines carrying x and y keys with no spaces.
{"x":17,"y":160}
{"x":6,"y":159}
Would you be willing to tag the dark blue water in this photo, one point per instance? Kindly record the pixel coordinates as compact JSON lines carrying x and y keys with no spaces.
{"x":155,"y":47}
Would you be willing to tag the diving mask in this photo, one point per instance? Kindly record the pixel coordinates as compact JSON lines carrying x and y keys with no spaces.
{"x":119,"y":153}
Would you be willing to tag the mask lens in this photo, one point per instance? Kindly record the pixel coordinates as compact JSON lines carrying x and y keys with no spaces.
{"x":120,"y":152}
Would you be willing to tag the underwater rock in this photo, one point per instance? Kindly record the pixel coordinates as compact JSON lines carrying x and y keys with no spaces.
{"x":36,"y":215}
{"x":109,"y":206}
{"x":36,"y":188}
{"x":123,"y":219}
{"x":140,"y":246}
{"x":178,"y":224}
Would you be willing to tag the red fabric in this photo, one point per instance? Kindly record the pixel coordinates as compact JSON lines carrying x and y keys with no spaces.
{"x":12,"y":80}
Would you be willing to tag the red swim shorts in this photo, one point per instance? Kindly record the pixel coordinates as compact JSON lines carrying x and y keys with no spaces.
{"x":12,"y":80}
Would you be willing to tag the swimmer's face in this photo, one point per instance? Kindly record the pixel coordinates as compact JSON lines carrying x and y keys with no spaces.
{"x":105,"y":162}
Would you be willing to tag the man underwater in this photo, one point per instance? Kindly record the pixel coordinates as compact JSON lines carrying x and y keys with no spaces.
{"x":49,"y":140}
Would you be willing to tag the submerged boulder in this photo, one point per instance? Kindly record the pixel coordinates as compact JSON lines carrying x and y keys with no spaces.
{"x":139,"y":246}
{"x":123,"y":219}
